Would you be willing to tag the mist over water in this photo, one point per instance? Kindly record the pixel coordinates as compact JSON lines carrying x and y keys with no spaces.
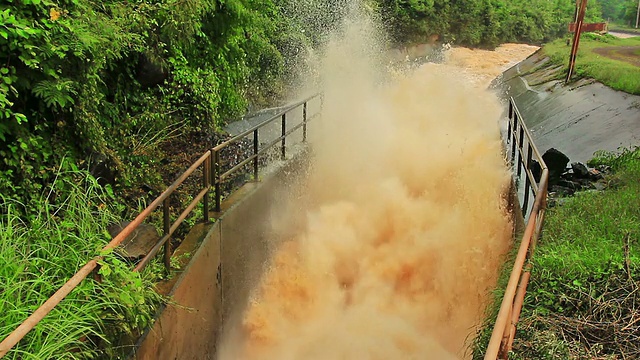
{"x":405,"y":222}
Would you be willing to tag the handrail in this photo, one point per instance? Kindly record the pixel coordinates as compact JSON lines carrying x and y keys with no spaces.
{"x":505,"y":326}
{"x":210,"y":162}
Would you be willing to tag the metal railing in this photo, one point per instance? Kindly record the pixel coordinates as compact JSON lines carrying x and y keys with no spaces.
{"x":212,"y":169}
{"x":522,"y":151}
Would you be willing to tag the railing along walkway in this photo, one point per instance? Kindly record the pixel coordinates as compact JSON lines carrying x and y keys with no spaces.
{"x":212,"y":176}
{"x":522,"y":152}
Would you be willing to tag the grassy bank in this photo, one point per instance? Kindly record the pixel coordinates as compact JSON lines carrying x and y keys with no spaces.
{"x":38,"y":257}
{"x":607,"y":59}
{"x":584,"y":299}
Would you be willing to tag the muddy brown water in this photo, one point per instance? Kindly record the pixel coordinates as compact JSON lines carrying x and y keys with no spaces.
{"x":402,"y":228}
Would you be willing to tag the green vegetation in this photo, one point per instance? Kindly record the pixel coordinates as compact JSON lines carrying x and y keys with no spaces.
{"x":107,"y":79}
{"x":619,"y":11}
{"x":112,"y":87}
{"x":482,"y":22}
{"x":108,"y":82}
{"x":602,"y":58}
{"x":583,"y":297}
{"x":39,"y":256}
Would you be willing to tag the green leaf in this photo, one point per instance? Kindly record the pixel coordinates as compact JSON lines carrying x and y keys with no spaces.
{"x":105,"y":270}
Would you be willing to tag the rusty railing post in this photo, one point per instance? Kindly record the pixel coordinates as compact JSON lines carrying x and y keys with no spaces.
{"x":304,"y":122}
{"x":255,"y":153}
{"x":283,"y":155}
{"x":206,"y":180}
{"x":166,"y":229}
{"x":217,"y":179}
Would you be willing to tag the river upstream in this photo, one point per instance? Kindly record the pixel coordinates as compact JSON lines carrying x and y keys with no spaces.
{"x":396,"y":243}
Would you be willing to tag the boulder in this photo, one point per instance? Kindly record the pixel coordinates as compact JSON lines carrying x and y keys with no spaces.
{"x":580,"y":170}
{"x":556,"y":163}
{"x":595,"y":175}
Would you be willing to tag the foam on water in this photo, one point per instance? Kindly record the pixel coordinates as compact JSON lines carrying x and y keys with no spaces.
{"x":405,"y":222}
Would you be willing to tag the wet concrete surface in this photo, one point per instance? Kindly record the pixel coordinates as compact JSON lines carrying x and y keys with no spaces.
{"x":578,"y":119}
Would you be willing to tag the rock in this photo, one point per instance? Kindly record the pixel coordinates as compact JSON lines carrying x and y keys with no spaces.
{"x":580,"y":170}
{"x":556,"y":163}
{"x":138,"y":243}
{"x":599,"y":186}
{"x":569,"y":184}
{"x":595,"y":175}
{"x":560,"y":191}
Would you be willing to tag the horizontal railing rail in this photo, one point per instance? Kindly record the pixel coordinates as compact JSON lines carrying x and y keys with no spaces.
{"x":211,"y":169}
{"x":523,"y":151}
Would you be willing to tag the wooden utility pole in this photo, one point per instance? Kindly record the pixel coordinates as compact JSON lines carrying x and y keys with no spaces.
{"x":576,"y":38}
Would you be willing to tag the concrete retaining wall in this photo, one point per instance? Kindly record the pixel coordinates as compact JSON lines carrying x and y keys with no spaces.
{"x":216,"y":284}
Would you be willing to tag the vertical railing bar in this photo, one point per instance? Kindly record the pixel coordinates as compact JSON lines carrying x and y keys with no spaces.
{"x":207,"y":185}
{"x":509,"y":132}
{"x":284,"y":132}
{"x":304,"y":122}
{"x":510,"y":108}
{"x":165,"y":229}
{"x":217,"y":179}
{"x":527,"y":183}
{"x":520,"y":143}
{"x":514,"y":139}
{"x":255,"y":153}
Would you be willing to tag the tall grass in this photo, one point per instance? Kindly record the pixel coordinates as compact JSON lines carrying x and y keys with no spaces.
{"x":619,"y":75}
{"x":38,"y":256}
{"x":586,"y":269}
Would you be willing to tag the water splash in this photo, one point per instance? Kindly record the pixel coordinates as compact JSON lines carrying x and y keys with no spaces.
{"x":406,"y":224}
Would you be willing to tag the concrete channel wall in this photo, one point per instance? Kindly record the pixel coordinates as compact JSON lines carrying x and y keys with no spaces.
{"x":578,"y":119}
{"x":216,"y":284}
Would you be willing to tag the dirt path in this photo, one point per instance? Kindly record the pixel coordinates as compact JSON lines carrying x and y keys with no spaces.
{"x":628,"y":54}
{"x":622,"y":35}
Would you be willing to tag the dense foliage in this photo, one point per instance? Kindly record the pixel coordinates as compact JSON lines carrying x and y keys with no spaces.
{"x":38,"y":257}
{"x":622,"y":11}
{"x":482,"y":22}
{"x":110,"y":79}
